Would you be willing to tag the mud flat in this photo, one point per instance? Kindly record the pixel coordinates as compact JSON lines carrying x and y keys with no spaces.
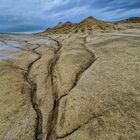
{"x":70,"y":87}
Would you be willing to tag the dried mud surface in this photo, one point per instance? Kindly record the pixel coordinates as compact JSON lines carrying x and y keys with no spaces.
{"x":70,"y":87}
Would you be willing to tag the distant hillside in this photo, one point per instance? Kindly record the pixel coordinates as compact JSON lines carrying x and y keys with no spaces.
{"x":131,"y":20}
{"x":90,"y":24}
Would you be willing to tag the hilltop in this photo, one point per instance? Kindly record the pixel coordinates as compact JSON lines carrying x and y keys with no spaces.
{"x":90,"y":25}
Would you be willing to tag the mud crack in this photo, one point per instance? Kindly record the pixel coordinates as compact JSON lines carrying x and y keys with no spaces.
{"x":94,"y":58}
{"x":34,"y":101}
{"x":52,"y":122}
{"x":78,"y":76}
{"x":54,"y":112}
{"x":80,"y":126}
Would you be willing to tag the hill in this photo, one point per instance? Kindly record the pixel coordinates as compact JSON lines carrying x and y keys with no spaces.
{"x":89,"y":25}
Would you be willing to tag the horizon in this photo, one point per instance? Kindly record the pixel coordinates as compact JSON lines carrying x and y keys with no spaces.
{"x":33,"y":16}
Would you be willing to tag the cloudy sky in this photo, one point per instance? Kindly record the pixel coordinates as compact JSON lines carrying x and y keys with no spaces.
{"x":36,"y":15}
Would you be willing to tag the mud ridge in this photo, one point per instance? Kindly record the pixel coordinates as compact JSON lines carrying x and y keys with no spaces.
{"x":82,"y":70}
{"x":77,"y":78}
{"x":74,"y":85}
{"x":54,"y":113}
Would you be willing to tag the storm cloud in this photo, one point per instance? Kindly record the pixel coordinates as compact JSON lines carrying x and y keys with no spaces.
{"x":35,"y":15}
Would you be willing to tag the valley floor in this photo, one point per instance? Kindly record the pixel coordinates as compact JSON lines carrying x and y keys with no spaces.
{"x":70,"y":87}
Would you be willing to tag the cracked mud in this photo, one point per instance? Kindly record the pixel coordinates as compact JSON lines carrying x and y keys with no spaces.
{"x":70,"y":87}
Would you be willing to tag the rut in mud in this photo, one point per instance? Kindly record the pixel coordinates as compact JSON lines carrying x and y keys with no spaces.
{"x":54,"y":112}
{"x":34,"y":101}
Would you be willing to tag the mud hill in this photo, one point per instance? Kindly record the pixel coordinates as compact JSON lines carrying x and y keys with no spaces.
{"x":90,"y":25}
{"x":87,"y":25}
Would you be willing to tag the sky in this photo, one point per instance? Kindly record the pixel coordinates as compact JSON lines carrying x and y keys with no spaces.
{"x":37,"y":15}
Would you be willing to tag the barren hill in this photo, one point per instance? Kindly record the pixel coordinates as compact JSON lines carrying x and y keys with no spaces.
{"x":131,"y":20}
{"x":89,"y":25}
